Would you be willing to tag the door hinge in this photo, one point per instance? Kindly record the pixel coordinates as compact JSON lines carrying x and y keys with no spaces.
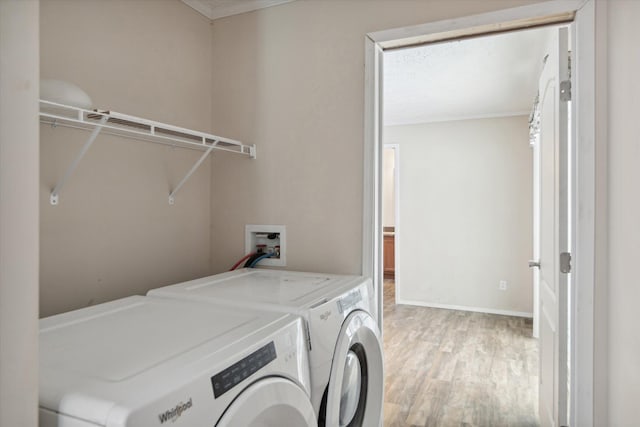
{"x":565,"y":262}
{"x":565,"y":90}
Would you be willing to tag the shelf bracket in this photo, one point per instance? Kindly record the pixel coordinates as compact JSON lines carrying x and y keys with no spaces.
{"x":172,"y":195}
{"x":53,"y":197}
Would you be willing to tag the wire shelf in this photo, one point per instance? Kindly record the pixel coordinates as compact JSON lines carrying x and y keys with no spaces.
{"x":114,"y":123}
{"x":138,"y":128}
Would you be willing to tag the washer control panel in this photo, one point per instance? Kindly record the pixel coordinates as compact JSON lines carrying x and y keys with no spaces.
{"x":349,"y":301}
{"x":225,"y":380}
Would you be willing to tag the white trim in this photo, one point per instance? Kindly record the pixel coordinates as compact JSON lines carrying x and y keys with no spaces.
{"x":588,"y":405}
{"x":535,"y":272}
{"x":460,"y":118}
{"x":586,"y":408}
{"x":20,"y":194}
{"x":231,"y":8}
{"x":465,"y":308}
{"x":372,"y":188}
{"x":595,"y":298}
{"x":500,"y":20}
{"x":396,"y":214}
{"x":199,"y":7}
{"x":396,"y":239}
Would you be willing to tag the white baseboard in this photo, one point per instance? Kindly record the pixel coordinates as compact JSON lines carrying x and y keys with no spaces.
{"x":465,"y":308}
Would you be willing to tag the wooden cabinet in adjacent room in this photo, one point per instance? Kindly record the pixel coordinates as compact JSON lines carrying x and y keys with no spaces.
{"x":388,"y":251}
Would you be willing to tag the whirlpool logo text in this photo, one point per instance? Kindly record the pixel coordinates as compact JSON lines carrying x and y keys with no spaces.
{"x":174,"y":413}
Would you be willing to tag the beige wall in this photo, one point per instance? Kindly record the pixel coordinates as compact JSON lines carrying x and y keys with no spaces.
{"x":291,"y":79}
{"x":113,"y":233}
{"x":624,"y":212}
{"x":19,"y":85}
{"x":465,"y":213}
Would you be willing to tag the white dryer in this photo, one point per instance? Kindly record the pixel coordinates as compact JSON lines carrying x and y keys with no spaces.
{"x":344,"y":340}
{"x":146,"y":361}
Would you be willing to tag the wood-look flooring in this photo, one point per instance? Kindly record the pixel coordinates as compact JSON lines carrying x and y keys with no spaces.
{"x":457,"y":368}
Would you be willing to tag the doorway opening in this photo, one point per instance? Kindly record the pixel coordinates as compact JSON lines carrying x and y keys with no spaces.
{"x":582,"y":14}
{"x":463,"y":113}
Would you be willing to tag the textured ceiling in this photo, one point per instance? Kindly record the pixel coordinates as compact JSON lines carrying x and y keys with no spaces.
{"x":215,"y":9}
{"x":473,"y":78}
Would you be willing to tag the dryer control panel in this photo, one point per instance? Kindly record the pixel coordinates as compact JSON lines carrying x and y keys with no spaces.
{"x":346,"y":303}
{"x":225,"y":380}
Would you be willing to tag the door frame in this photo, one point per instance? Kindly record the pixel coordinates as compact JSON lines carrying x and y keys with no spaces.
{"x":535,"y":254}
{"x":588,"y":405}
{"x":396,"y":213}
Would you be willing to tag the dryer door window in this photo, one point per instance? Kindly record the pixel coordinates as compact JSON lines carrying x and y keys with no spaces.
{"x":352,"y":378}
{"x":354,"y":394}
{"x":270,"y":402}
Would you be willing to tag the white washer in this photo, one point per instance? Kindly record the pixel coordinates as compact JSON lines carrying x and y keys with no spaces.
{"x":146,"y":361}
{"x":344,"y":341}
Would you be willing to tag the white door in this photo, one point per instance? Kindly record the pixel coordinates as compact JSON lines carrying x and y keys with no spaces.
{"x":553,"y":234}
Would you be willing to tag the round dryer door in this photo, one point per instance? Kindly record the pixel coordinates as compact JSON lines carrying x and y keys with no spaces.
{"x":354,"y":395}
{"x":270,"y":402}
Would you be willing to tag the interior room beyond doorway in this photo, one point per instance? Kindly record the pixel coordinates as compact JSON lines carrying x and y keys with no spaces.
{"x":463,"y":231}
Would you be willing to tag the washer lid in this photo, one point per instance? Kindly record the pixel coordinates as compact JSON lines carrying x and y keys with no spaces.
{"x":132,"y":351}
{"x":275,"y":289}
{"x":271,"y":402}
